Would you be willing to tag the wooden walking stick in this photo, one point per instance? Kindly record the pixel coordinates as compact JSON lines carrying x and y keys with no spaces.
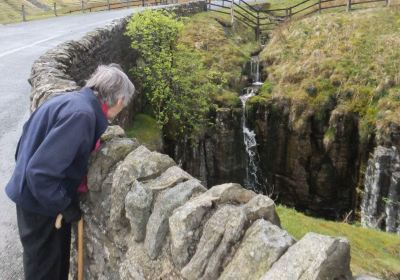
{"x":80,"y":243}
{"x":80,"y":249}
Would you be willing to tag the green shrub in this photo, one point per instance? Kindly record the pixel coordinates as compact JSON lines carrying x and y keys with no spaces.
{"x":172,"y":77}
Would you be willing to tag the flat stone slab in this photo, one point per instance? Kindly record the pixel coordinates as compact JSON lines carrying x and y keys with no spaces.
{"x":314,"y":257}
{"x":167,"y":201}
{"x":222,"y":230}
{"x":262,"y":245}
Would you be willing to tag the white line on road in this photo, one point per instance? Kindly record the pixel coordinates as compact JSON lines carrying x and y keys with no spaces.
{"x":50,"y":38}
{"x":28,"y":46}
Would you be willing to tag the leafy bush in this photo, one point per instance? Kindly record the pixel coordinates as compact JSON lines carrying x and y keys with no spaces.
{"x":172,"y":77}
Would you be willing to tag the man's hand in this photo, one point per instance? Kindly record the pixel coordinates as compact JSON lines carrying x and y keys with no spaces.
{"x":72,"y":213}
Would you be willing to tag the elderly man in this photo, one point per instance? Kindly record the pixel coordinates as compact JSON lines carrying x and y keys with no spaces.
{"x":51,"y":161}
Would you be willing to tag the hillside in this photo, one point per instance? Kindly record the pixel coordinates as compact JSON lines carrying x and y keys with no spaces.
{"x":347,"y":58}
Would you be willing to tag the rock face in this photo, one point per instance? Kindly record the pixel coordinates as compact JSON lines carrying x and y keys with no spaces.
{"x":381,"y":201}
{"x":310,"y":160}
{"x":145,"y":218}
{"x":217,"y":156}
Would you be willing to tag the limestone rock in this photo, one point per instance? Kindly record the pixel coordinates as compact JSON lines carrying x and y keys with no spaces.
{"x":187,"y":218}
{"x":112,"y":132}
{"x":167,"y":201}
{"x":222,"y":230}
{"x":262,"y":206}
{"x":137,"y":209}
{"x":379,"y":208}
{"x":103,"y":160}
{"x":145,"y":165}
{"x":262,"y":245}
{"x":123,"y":180}
{"x":170,"y":177}
{"x":314,"y":257}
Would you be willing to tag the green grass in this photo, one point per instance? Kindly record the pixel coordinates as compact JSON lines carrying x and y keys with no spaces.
{"x":145,"y":129}
{"x":373,"y":252}
{"x":352,"y":58}
{"x":223,"y":49}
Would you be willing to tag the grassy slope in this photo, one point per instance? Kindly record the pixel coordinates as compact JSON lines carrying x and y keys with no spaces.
{"x":372,"y":251}
{"x":223,"y":52}
{"x":146,"y":131}
{"x":349,"y":57}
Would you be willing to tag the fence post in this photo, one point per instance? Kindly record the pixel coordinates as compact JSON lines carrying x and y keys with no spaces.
{"x":82,"y":6}
{"x":290,"y":13}
{"x":348,"y":5}
{"x":55,"y":8}
{"x":319,"y":6}
{"x":223,"y":3}
{"x":258,"y":26}
{"x":232,"y":13}
{"x":23,"y":13}
{"x":108,"y":4}
{"x":142,"y":3}
{"x":387,"y":3}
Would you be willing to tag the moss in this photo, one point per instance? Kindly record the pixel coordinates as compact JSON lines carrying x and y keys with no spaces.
{"x":372,"y":251}
{"x":227,"y":99}
{"x":146,"y":130}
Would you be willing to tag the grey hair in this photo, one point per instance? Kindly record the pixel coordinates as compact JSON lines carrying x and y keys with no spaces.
{"x":111,"y":83}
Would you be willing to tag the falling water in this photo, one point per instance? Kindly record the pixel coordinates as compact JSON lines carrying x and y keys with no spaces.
{"x":255,"y":71}
{"x":249,"y":137}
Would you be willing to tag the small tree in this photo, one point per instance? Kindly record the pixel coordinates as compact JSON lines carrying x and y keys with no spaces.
{"x":171,"y":76}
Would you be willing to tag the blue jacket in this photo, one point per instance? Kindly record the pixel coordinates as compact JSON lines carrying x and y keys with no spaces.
{"x":53,"y":152}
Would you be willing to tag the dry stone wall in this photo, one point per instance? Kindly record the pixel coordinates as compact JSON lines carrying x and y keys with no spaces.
{"x":66,"y":67}
{"x":146,"y":218}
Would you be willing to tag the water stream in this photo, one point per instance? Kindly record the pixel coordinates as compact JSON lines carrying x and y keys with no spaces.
{"x":252,"y":180}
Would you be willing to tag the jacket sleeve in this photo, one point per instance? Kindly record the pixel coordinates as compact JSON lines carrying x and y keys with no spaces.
{"x":71,"y":137}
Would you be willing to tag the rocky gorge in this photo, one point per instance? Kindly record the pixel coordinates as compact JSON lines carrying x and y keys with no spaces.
{"x":148,"y":218}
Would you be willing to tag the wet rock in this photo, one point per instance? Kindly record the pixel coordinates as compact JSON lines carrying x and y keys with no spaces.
{"x":222,"y":230}
{"x":167,"y":201}
{"x":316,"y":257}
{"x":380,"y":206}
{"x":262,"y":245}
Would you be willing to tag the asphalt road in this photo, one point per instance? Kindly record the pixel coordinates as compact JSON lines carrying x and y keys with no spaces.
{"x":20,"y":45}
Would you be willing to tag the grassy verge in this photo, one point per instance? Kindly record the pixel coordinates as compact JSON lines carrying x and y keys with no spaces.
{"x":146,"y":131}
{"x":372,"y":251}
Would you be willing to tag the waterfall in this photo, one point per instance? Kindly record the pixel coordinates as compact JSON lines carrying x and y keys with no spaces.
{"x":252,"y":180}
{"x":250,"y":143}
{"x":255,"y":70}
{"x":380,"y":206}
